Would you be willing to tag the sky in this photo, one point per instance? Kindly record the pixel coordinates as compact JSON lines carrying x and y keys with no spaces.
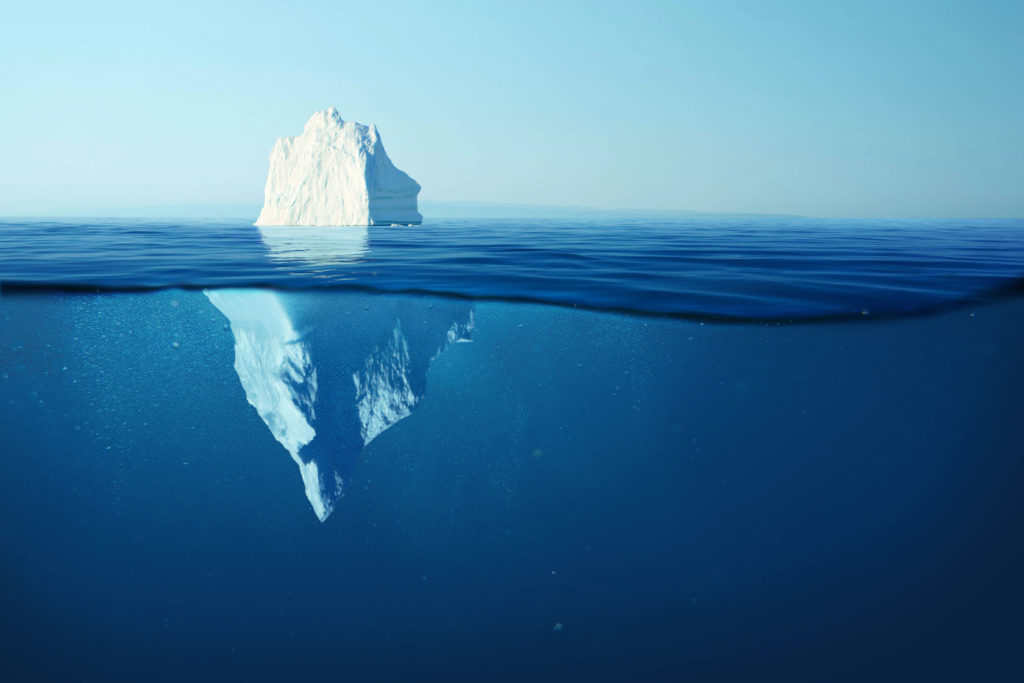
{"x":820,"y":107}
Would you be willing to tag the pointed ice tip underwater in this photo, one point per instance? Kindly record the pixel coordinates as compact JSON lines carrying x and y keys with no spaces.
{"x":336,"y":173}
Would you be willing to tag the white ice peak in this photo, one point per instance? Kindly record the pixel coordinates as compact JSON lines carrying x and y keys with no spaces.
{"x":336,"y":173}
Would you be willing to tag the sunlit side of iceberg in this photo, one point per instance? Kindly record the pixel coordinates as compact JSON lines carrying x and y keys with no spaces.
{"x":279,"y":380}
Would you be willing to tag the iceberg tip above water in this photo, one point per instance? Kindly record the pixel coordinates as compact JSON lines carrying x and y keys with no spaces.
{"x":336,"y":173}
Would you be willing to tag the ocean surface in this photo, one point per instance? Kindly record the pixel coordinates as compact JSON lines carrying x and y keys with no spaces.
{"x":706,"y":449}
{"x":753,"y":268}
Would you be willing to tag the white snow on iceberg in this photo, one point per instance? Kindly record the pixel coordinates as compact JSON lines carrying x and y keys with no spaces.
{"x":336,"y":173}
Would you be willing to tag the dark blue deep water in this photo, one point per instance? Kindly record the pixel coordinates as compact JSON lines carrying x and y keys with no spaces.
{"x":710,"y":450}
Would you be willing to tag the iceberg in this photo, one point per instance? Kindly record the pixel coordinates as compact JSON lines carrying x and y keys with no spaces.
{"x":336,"y":173}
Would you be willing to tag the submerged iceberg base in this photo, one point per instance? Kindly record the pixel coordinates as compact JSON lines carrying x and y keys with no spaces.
{"x":354,"y":372}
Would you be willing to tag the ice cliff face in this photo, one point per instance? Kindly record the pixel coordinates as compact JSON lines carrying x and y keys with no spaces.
{"x":336,"y":173}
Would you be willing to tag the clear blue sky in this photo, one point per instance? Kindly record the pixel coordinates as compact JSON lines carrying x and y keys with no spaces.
{"x":854,"y":108}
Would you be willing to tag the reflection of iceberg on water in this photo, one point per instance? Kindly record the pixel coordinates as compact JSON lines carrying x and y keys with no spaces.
{"x":329,"y":371}
{"x":316,"y":246}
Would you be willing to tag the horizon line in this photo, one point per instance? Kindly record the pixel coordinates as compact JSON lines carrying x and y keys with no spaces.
{"x":241,"y":210}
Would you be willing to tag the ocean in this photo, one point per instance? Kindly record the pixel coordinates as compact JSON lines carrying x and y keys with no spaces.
{"x":707,"y":449}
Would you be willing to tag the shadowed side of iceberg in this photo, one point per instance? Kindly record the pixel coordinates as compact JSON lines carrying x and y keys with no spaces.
{"x":393,"y":198}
